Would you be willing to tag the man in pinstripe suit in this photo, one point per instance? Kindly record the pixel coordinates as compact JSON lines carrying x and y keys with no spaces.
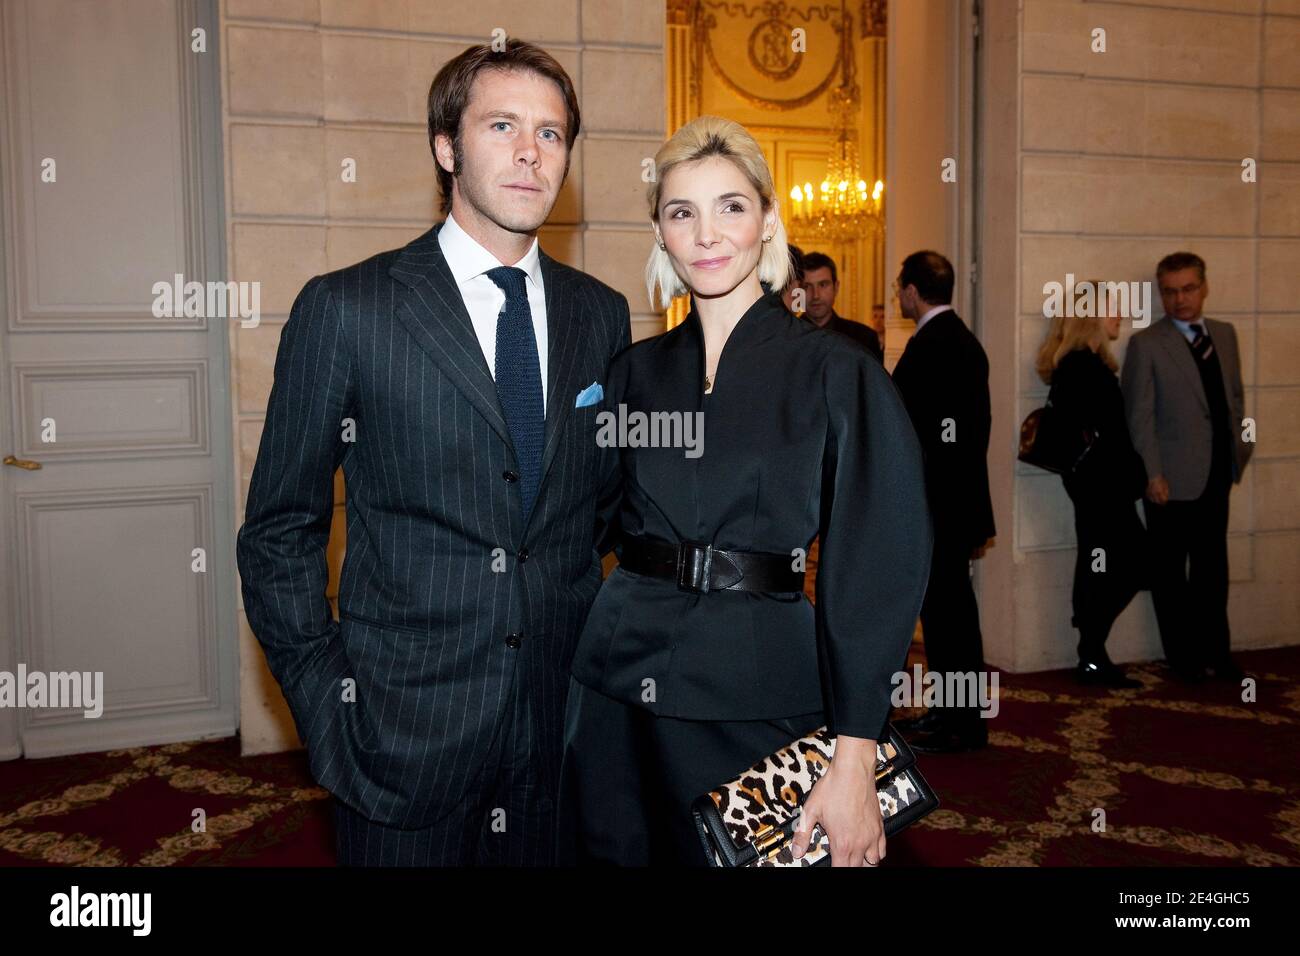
{"x":452,"y":381}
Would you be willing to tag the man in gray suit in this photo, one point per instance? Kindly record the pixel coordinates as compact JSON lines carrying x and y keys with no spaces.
{"x":456,"y":381}
{"x":1185,"y":404}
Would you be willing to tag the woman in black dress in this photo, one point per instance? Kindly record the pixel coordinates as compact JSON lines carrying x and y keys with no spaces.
{"x":701,"y":654}
{"x":1075,"y":360}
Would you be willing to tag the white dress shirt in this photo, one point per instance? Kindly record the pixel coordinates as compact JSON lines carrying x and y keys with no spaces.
{"x":1189,"y":333}
{"x":929,"y":315}
{"x":483,"y":298}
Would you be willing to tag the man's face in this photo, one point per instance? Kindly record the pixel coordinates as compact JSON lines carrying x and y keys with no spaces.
{"x":907,"y":299}
{"x":513,"y":152}
{"x":1183,"y":293}
{"x":821,"y":289}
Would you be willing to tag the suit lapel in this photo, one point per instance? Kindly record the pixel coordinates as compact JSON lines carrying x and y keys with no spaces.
{"x":1176,"y":347}
{"x":562,"y":328}
{"x":1229,"y":361}
{"x":435,"y":315}
{"x":680,"y":385}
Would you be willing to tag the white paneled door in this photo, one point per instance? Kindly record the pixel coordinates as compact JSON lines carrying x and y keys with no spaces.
{"x":116,"y":522}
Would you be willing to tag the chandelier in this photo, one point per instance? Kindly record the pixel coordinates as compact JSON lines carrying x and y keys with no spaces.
{"x":842,"y":207}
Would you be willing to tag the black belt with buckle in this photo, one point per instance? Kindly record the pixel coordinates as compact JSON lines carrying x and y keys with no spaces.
{"x":698,"y":566}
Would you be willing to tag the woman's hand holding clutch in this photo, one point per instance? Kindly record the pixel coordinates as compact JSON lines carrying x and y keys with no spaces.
{"x":844,"y":803}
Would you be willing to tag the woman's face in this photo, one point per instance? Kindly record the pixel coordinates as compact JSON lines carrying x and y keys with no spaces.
{"x":712,"y":223}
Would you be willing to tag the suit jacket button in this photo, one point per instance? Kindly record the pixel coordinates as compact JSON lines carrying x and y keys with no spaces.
{"x":513,"y":640}
{"x":522,"y":555}
{"x":510,"y":476}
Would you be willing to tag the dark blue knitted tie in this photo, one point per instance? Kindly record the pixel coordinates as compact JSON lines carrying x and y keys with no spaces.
{"x":519,"y":380}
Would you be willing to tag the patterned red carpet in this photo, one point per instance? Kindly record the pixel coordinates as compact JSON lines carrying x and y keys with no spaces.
{"x":1185,"y":777}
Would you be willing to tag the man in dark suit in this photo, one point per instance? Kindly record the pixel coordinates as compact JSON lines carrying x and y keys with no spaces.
{"x":455,"y":382}
{"x":821,"y":283}
{"x":943,"y":375}
{"x":1186,"y":408}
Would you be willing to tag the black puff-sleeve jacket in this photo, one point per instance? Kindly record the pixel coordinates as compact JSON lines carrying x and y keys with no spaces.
{"x":804,"y":434}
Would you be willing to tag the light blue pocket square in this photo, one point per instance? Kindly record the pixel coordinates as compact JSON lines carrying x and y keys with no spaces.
{"x":590,"y":395}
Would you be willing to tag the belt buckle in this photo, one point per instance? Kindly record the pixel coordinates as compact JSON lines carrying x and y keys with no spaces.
{"x":694,"y":565}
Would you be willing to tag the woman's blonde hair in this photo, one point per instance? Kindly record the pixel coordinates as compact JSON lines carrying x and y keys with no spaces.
{"x":699,"y":139}
{"x":1068,"y":333}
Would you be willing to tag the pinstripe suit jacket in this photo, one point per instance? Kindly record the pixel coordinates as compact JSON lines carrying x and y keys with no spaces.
{"x":445,"y":592}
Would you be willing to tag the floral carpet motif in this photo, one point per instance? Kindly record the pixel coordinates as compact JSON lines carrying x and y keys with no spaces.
{"x":1164,"y":775}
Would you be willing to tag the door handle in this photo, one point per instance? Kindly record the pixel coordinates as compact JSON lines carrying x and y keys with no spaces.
{"x":22,"y":463}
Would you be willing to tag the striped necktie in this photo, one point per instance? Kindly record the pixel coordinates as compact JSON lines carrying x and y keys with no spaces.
{"x":1202,"y":347}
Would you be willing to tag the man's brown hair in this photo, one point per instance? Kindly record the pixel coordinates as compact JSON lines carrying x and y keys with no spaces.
{"x":450,"y":91}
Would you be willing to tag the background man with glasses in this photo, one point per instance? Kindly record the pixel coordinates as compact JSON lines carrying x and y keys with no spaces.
{"x":1185,"y":404}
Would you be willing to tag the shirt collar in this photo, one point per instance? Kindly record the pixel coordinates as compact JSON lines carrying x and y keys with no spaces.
{"x":1186,"y":327}
{"x":931,"y":314}
{"x":467,"y":259}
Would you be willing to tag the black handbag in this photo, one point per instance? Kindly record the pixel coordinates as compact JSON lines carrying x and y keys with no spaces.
{"x":1049,"y":442}
{"x":750,"y":821}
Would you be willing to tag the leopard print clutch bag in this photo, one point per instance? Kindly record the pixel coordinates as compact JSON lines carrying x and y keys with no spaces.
{"x":750,"y":821}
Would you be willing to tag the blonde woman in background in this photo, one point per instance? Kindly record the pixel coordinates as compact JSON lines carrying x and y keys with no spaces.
{"x":1076,"y":361}
{"x":701,"y":654}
